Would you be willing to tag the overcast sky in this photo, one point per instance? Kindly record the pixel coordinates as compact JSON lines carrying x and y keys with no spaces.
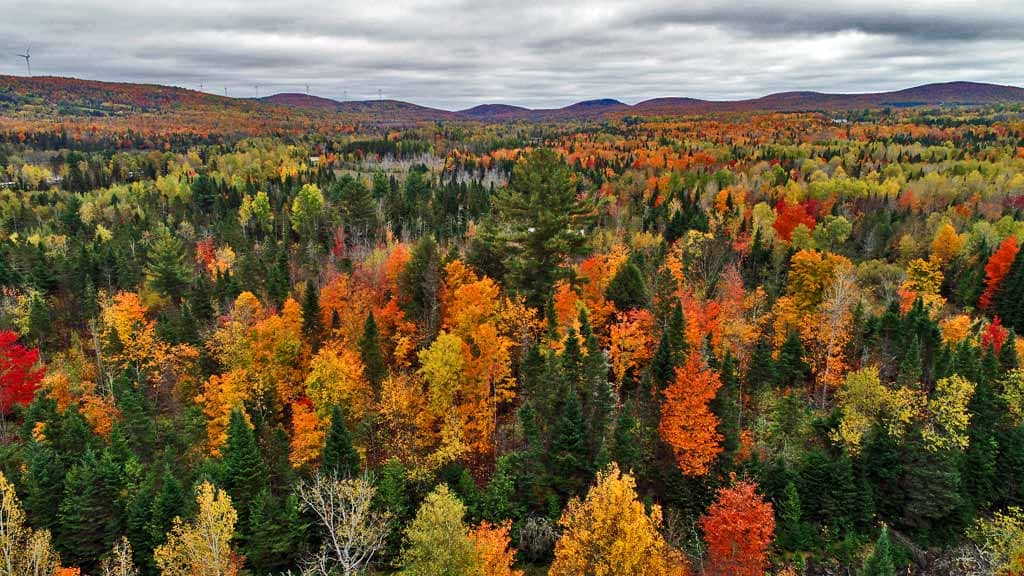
{"x":458,"y":53}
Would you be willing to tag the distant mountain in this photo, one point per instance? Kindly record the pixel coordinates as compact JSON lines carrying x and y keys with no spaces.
{"x":73,"y":97}
{"x":296,"y":100}
{"x":948,"y":93}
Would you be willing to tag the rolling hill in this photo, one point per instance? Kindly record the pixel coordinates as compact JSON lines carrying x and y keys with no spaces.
{"x":59,"y":96}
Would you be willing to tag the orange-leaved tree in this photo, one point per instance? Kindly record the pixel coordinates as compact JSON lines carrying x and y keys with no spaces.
{"x":687,"y":424}
{"x":738,"y":530}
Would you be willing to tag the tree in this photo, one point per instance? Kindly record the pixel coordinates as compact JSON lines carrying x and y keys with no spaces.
{"x":245,"y":473}
{"x":202,"y":547}
{"x":312,"y":325}
{"x":336,"y":378}
{"x":570,"y":453}
{"x":420,"y":283}
{"x":306,"y":211}
{"x":437,"y":539}
{"x":494,"y":555}
{"x":627,"y":288}
{"x":1009,"y":299}
{"x":119,"y":561}
{"x":738,"y":530}
{"x":19,"y":375}
{"x":339,"y":456}
{"x":544,"y":222}
{"x":612,"y":534}
{"x":23,"y":551}
{"x":369,"y":350}
{"x":687,"y":423}
{"x":167,"y":272}
{"x":352,"y":530}
{"x":998,"y":266}
{"x":879,"y":563}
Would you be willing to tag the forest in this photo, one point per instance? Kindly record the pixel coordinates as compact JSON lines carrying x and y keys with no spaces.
{"x":240,"y":343}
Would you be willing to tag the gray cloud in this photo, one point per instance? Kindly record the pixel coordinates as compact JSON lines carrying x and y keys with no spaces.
{"x":459,"y":53}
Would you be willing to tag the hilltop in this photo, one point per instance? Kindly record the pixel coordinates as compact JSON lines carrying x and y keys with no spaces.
{"x":60,"y":96}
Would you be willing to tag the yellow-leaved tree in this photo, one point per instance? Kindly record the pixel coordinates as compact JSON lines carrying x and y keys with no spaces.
{"x":202,"y":547}
{"x":949,"y":414}
{"x":23,"y":551}
{"x":611,"y":534}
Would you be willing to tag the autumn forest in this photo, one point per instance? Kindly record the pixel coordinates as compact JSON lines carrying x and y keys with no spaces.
{"x":263,"y":338}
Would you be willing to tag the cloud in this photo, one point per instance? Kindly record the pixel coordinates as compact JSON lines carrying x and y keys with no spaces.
{"x":458,"y":53}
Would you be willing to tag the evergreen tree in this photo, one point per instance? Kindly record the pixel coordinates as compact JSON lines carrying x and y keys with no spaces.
{"x":761,"y":368}
{"x":880,"y":562}
{"x":572,"y":363}
{"x":339,"y":456}
{"x":279,"y":281}
{"x":170,"y":502}
{"x":544,"y":222}
{"x":87,"y":521}
{"x":312,"y":325}
{"x":662,"y":368}
{"x":245,"y":473}
{"x":627,"y":290}
{"x":626,"y":450}
{"x":570,"y":456}
{"x":420,"y":282}
{"x":676,"y":331}
{"x":369,"y":349}
{"x":791,"y":368}
{"x":1009,"y":300}
{"x":167,"y":271}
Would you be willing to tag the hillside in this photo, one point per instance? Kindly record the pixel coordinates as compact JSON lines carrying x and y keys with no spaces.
{"x":71,"y":97}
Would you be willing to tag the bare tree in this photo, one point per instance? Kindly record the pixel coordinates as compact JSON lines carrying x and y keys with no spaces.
{"x":352,"y":531}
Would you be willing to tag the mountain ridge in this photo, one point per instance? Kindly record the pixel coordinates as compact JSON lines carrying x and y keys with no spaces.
{"x":91,"y":95}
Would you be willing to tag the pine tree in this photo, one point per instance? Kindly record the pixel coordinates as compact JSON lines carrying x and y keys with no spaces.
{"x":279,"y":280}
{"x":544,"y":222}
{"x":375,"y":368}
{"x":245,"y":473}
{"x":880,"y":562}
{"x":339,"y":456}
{"x":169,"y":503}
{"x":662,"y":368}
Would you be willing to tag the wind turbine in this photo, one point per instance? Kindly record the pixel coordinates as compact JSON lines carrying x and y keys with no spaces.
{"x":27,"y":55}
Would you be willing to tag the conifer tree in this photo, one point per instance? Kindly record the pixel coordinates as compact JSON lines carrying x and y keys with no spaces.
{"x":374,"y":366}
{"x":339,"y":456}
{"x":880,"y":562}
{"x":569,"y":448}
{"x":245,"y":473}
{"x":627,"y":290}
{"x":312,"y":325}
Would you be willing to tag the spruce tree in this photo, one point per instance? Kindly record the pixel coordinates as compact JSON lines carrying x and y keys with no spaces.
{"x":420,"y":282}
{"x":880,"y":562}
{"x":245,"y":473}
{"x":663,"y":367}
{"x":626,"y":449}
{"x":676,"y":331}
{"x":312,"y":325}
{"x":369,"y":350}
{"x":570,"y":458}
{"x":339,"y":456}
{"x":87,"y":521}
{"x":1009,"y":300}
{"x":792,"y":369}
{"x":167,"y":271}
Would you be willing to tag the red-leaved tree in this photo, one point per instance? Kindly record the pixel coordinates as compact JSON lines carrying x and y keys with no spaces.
{"x":19,"y":375}
{"x":998,"y":265}
{"x":738,"y":530}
